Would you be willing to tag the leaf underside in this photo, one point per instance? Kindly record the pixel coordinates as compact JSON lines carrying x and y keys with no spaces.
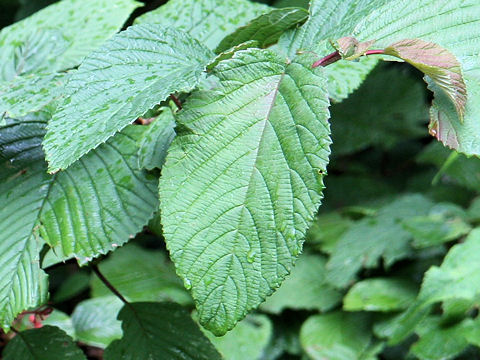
{"x":437,"y":63}
{"x":266,"y":29}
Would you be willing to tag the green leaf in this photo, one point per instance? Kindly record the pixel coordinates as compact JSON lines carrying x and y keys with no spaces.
{"x":28,"y":7}
{"x":371,"y":238}
{"x":380,"y":294}
{"x":473,"y":332}
{"x":106,"y":183}
{"x":72,"y":286}
{"x":343,"y":78}
{"x":398,"y":327}
{"x":60,"y":36}
{"x":208,"y":21}
{"x":445,"y":222}
{"x":473,"y":211}
{"x":326,"y":230}
{"x":248,"y":340}
{"x":439,"y":341}
{"x":329,"y":20}
{"x":464,"y":170}
{"x":395,"y":100}
{"x":110,"y":91}
{"x":336,"y":336}
{"x":159,"y":331}
{"x":61,"y":320}
{"x":95,"y":321}
{"x":459,"y":275}
{"x":249,"y":195}
{"x":304,"y":289}
{"x":48,"y":342}
{"x":23,"y":190}
{"x":289,"y":3}
{"x":266,"y":29}
{"x":141,"y":275}
{"x":458,"y":308}
{"x":30,"y":93}
{"x":156,"y":140}
{"x":456,"y":28}
{"x":92,"y":208}
{"x":228,"y":54}
{"x":457,"y":278}
{"x":438,"y":64}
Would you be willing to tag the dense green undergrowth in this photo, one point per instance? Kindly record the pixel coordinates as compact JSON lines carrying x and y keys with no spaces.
{"x":159,"y":181}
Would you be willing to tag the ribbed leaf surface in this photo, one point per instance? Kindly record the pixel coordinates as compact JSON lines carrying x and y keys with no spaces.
{"x":266,"y":29}
{"x":156,"y":140}
{"x":60,"y":36}
{"x":331,"y":20}
{"x":456,"y":27}
{"x":206,"y":20}
{"x":24,"y":186}
{"x":240,"y":189}
{"x":90,"y":209}
{"x":159,"y":331}
{"x":131,"y":73}
{"x":48,"y":342}
{"x":101,"y":202}
{"x":30,"y":93}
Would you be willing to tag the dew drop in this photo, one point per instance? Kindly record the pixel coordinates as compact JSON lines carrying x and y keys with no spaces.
{"x":251,"y":256}
{"x":187,"y":283}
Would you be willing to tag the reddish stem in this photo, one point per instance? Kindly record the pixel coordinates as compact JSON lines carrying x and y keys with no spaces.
{"x":107,"y":283}
{"x":176,"y":101}
{"x":327,"y":60}
{"x":335,"y":56}
{"x":375,"y":52}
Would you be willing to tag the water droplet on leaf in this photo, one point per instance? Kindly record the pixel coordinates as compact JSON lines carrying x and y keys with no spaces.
{"x":187,"y":283}
{"x":251,"y":256}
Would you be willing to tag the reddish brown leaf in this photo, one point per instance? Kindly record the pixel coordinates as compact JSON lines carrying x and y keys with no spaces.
{"x":437,"y":63}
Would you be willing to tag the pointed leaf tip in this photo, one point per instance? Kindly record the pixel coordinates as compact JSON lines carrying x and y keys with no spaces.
{"x":436,"y":62}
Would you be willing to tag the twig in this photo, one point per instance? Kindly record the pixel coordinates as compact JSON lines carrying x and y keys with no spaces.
{"x":176,"y":101}
{"x":375,"y":52}
{"x":107,"y":283}
{"x":327,"y":60}
{"x":335,"y":56}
